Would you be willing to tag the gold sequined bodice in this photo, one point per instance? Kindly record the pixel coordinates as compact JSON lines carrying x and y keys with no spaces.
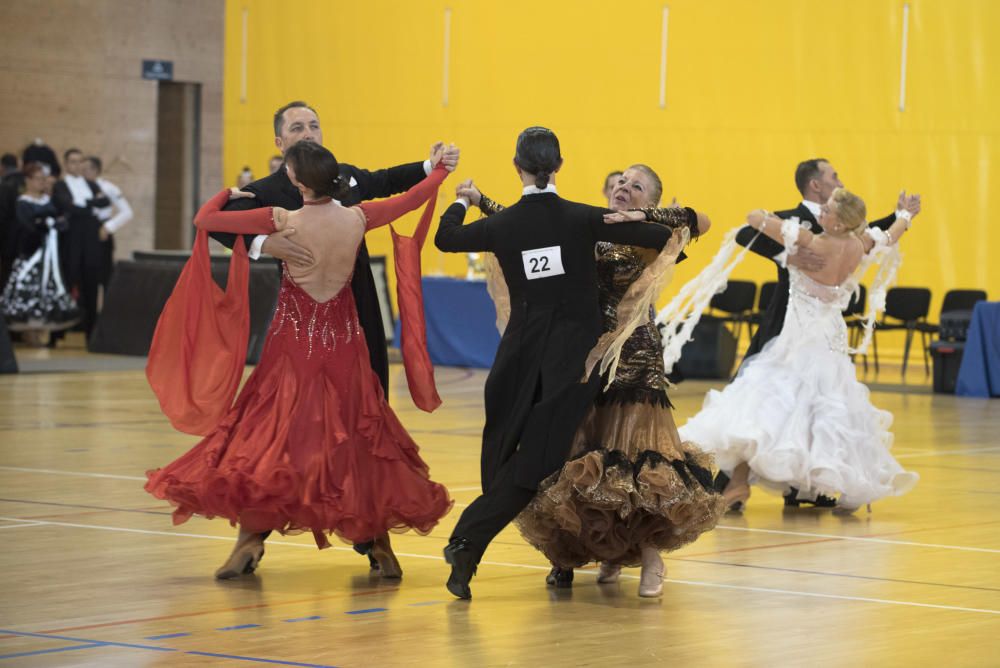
{"x":640,"y":374}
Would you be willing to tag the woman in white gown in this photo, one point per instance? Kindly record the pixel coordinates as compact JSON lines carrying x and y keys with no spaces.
{"x":796,"y":415}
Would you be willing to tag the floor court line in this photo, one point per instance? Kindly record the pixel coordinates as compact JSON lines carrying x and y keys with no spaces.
{"x":832,"y":575}
{"x":545,"y":568}
{"x":830,"y":537}
{"x":71,"y":648}
{"x":92,"y":644}
{"x":862,"y":539}
{"x":20,"y":469}
{"x":18,"y":526}
{"x":948,"y":453}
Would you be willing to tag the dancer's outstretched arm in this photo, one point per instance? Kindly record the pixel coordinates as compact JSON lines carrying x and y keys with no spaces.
{"x":211,"y":217}
{"x":770,"y":225}
{"x":377,"y":214}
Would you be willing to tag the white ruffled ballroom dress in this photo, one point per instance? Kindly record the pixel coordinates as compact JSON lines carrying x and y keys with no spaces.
{"x":797,"y":414}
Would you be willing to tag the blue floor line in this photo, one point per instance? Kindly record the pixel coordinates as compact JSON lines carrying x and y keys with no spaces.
{"x":109,"y":643}
{"x":250,"y":658}
{"x":238,"y":627}
{"x":303,"y":619}
{"x":166,"y":636}
{"x":365,"y":611}
{"x":90,"y":644}
{"x":50,"y":651}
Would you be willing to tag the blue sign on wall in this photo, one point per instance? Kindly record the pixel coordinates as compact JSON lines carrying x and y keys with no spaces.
{"x":158,"y":70}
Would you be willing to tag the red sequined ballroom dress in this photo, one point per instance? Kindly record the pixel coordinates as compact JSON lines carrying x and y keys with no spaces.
{"x":310,"y":443}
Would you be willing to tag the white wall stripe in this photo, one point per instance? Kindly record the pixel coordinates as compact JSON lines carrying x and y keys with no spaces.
{"x":663,"y":57}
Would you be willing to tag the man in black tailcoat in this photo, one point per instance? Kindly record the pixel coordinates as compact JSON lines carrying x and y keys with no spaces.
{"x":535,"y":394}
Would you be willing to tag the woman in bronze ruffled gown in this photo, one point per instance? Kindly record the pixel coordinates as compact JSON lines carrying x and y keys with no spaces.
{"x":631,"y":487}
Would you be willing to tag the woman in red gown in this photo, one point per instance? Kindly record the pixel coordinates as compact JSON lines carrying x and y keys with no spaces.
{"x":311,"y":443}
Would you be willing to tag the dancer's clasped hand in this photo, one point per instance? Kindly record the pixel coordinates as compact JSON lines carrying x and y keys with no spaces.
{"x":468,"y":191}
{"x":625,"y":217}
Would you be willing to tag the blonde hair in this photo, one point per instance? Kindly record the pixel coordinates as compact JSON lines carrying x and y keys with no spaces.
{"x":657,"y":190}
{"x":849,"y":208}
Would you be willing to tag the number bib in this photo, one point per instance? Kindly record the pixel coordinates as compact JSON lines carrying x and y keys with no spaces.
{"x":542,"y":262}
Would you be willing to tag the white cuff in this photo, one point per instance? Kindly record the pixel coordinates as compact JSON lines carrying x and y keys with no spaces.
{"x":464,"y":202}
{"x":428,"y":167}
{"x":782,"y":259}
{"x":904,"y":214}
{"x":256,"y":245}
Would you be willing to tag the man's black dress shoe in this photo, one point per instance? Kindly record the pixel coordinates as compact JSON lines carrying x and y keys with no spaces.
{"x":560,"y":578}
{"x":820,"y":502}
{"x":463,"y":558}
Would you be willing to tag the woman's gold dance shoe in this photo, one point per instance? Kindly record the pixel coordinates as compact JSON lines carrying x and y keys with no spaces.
{"x":246,"y":554}
{"x":651,"y":575}
{"x":608,"y":573}
{"x":388,"y":565}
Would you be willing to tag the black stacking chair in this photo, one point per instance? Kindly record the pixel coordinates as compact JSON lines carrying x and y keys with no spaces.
{"x":854,"y":316}
{"x":905,"y":308}
{"x":954,"y":300}
{"x":736,"y":302}
{"x":763,"y":301}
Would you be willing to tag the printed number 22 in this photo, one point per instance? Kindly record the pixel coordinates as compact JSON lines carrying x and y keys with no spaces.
{"x":539,"y":264}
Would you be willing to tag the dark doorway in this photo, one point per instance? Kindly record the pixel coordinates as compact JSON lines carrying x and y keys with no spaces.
{"x":178,"y":149}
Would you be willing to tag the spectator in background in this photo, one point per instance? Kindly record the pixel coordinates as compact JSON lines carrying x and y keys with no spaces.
{"x":274,"y":164}
{"x":245,"y":178}
{"x":39,"y":151}
{"x":11,"y":184}
{"x":610,"y":181}
{"x":79,"y":200}
{"x":112,"y":217}
{"x":34,"y":297}
{"x":8,"y":166}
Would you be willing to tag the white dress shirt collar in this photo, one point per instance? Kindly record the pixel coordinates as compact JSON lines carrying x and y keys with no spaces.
{"x":533,"y":190}
{"x":813,"y":207}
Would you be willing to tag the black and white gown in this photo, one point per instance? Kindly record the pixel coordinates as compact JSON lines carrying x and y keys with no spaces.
{"x":35,"y":297}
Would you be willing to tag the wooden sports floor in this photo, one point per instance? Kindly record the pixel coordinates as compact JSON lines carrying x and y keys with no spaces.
{"x":93,"y":573}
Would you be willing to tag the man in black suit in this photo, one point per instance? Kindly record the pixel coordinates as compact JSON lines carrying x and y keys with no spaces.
{"x":295,"y":122}
{"x":816,"y":179}
{"x":83,"y":251}
{"x":535,"y":394}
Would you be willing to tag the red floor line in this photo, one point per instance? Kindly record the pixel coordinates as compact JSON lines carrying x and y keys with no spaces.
{"x":762,"y":547}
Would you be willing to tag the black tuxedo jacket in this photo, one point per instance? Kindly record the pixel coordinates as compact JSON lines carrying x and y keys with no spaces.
{"x":773,"y":318}
{"x":277,"y":190}
{"x":80,"y":247}
{"x":534,"y":395}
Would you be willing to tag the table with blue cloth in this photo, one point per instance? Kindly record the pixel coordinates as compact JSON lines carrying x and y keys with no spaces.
{"x":461,"y":322}
{"x":979,"y":375}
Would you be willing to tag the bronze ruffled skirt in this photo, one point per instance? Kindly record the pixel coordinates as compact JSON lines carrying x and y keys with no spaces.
{"x":629,"y":483}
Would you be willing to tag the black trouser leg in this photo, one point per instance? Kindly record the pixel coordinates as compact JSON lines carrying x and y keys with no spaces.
{"x":490,"y":513}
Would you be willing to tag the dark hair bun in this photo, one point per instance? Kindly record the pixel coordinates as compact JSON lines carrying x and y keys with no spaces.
{"x":317,"y":169}
{"x":538,"y":153}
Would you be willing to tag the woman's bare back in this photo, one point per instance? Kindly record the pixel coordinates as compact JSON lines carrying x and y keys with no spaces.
{"x":841,"y":256}
{"x":332,"y":233}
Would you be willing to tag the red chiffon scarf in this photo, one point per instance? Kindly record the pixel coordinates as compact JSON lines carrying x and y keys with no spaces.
{"x":199,"y":348}
{"x":410,"y":299}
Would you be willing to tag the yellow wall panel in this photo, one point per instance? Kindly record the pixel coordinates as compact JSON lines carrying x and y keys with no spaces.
{"x":752,"y":88}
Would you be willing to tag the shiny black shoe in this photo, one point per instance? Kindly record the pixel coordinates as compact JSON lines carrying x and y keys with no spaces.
{"x":463,"y":558}
{"x":820,"y":502}
{"x":366,"y":549}
{"x":560,"y":578}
